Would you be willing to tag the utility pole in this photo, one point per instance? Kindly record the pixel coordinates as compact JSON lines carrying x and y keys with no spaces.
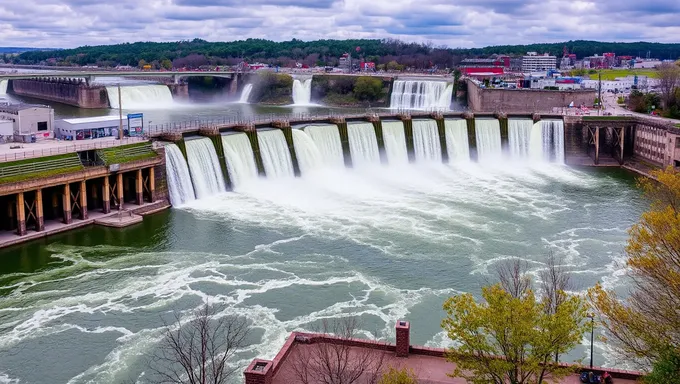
{"x":599,"y":92}
{"x":120,"y":115}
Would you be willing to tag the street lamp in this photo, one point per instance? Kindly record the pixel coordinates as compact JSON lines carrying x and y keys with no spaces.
{"x":592,"y":335}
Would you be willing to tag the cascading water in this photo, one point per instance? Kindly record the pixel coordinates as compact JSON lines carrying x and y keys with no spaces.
{"x":395,"y":142}
{"x":179,"y":180}
{"x":206,"y":171}
{"x":327,"y":140}
{"x":275,"y":154}
{"x":302,"y":92}
{"x":519,"y":137}
{"x":363,"y":144}
{"x":3,"y":87}
{"x":488,"y":133}
{"x":140,"y":96}
{"x":308,"y":155}
{"x":245,"y":94}
{"x":238,"y":154}
{"x":420,"y":94}
{"x":457,"y":142}
{"x":426,"y":141}
{"x":553,"y":140}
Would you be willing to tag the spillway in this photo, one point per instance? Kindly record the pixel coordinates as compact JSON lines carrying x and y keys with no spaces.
{"x":206,"y":172}
{"x":395,"y":142}
{"x":420,"y":94}
{"x":488,"y":134}
{"x":275,"y":154}
{"x":553,"y":140}
{"x":308,"y":155}
{"x":426,"y":141}
{"x":363,"y":144}
{"x":239,"y":157}
{"x":519,"y":137}
{"x":245,"y":94}
{"x":140,"y":96}
{"x":302,"y":92}
{"x":3,"y":87}
{"x":179,"y":180}
{"x":327,"y":140}
{"x":457,"y":142}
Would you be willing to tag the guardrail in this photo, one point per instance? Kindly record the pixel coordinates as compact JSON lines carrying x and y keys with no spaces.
{"x":60,"y":148}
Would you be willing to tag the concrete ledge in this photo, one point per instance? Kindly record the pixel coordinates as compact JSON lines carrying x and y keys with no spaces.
{"x":120,"y":220}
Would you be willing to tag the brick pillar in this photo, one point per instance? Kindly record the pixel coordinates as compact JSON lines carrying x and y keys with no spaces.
{"x":40,"y":217}
{"x":66,"y":197}
{"x":403,"y":338}
{"x":152,"y":185}
{"x":139,"y":188}
{"x":83,"y":200}
{"x":21,"y":215}
{"x":121,"y":195}
{"x":259,"y":372}
{"x":106,"y":200}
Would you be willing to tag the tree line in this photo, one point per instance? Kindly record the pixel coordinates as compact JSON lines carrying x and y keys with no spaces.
{"x":199,"y":52}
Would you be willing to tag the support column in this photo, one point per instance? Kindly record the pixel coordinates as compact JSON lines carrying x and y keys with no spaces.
{"x":66,"y":203}
{"x":472,"y":138}
{"x":408,"y":133}
{"x":10,"y":216}
{"x":622,"y":143}
{"x":83,"y":200}
{"x":441,"y":128}
{"x":55,"y":204}
{"x":39,"y":214}
{"x":139,"y":188}
{"x":152,"y":185}
{"x":105,"y":195}
{"x":121,"y":196}
{"x":21,"y":215}
{"x":597,"y":145}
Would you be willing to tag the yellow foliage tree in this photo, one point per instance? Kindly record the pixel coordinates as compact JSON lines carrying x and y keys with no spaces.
{"x":648,"y":321}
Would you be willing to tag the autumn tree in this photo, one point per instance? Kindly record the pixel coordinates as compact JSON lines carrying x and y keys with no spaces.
{"x":198,"y":351}
{"x":669,"y":80}
{"x":328,"y":362}
{"x":513,"y":335}
{"x":399,"y":376}
{"x":647,"y":322}
{"x":666,"y":370}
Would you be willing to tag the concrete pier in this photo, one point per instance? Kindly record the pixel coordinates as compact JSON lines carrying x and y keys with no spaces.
{"x":73,"y":92}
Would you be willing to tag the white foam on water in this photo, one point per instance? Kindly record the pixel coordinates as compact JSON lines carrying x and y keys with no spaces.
{"x":245,"y":94}
{"x":275,"y":154}
{"x":363,"y":145}
{"x":151,"y":96}
{"x":308,"y":155}
{"x":457,"y":142}
{"x":426,"y":143}
{"x":302,"y":92}
{"x":327,"y":140}
{"x":240,"y":159}
{"x":179,"y":179}
{"x":206,"y":171}
{"x":394,"y":138}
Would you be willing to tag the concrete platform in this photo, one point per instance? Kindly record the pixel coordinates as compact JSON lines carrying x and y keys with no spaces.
{"x":50,"y":147}
{"x":52,"y":227}
{"x":120,"y":220}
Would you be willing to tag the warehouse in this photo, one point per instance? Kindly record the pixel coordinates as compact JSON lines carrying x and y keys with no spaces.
{"x":29,"y":122}
{"x":89,"y":127}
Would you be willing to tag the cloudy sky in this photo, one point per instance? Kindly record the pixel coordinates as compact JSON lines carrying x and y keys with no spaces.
{"x":456,"y":23}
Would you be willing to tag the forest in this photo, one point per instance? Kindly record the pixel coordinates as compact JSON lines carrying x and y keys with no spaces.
{"x":387,"y":52}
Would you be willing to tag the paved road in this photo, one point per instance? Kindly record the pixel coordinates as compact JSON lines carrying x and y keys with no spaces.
{"x":611,"y":105}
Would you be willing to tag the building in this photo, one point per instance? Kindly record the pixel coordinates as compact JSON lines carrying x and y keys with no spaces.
{"x":6,"y":131}
{"x":30,"y":122}
{"x":89,"y":128}
{"x":533,"y":63}
{"x":484,"y":68}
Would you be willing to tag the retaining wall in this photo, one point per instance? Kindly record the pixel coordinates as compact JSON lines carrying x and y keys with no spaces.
{"x":65,"y":91}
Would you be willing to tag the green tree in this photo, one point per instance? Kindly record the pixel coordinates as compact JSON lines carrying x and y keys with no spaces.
{"x":511,"y":336}
{"x":398,"y":376}
{"x":394,"y":66}
{"x":646,"y":323}
{"x":166,"y":64}
{"x":141,"y":63}
{"x":666,"y":369}
{"x":368,"y":88}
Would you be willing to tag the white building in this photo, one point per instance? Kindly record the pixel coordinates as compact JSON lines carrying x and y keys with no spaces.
{"x":89,"y":127}
{"x":30,"y":122}
{"x":533,"y":63}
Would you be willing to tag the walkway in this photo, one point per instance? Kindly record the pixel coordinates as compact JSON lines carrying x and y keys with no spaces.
{"x":50,"y":147}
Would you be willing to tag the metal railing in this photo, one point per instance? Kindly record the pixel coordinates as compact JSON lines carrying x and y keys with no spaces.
{"x":62,"y":148}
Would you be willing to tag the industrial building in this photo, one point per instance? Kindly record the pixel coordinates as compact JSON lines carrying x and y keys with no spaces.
{"x":90,"y":127}
{"x":29,"y":122}
{"x":534,"y":62}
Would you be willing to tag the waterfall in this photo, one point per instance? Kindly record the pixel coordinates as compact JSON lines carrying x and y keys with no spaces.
{"x":536,"y":142}
{"x":420,"y":94}
{"x":238,"y":154}
{"x":275,"y":154}
{"x":140,"y":96}
{"x":327,"y":140}
{"x":395,"y":142}
{"x":488,"y":132}
{"x":206,"y":171}
{"x":426,"y":141}
{"x":308,"y":154}
{"x":3,"y":87}
{"x":457,"y":144}
{"x":553,"y":140}
{"x":519,"y":137}
{"x":179,"y":180}
{"x":363,"y":145}
{"x":245,"y":94}
{"x":302,"y":92}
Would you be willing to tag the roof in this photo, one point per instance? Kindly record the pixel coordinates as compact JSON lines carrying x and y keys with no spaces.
{"x":20,"y":107}
{"x":95,"y":119}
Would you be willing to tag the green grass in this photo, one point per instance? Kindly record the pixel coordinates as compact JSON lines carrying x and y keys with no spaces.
{"x":127,"y":153}
{"x":612,"y":74}
{"x":39,"y":175}
{"x":35,"y":160}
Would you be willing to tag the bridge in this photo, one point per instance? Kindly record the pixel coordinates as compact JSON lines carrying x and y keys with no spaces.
{"x":89,"y":75}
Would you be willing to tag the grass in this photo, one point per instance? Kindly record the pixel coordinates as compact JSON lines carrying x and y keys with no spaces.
{"x":612,"y":74}
{"x":127,"y":153}
{"x":35,"y":160}
{"x":39,"y":175}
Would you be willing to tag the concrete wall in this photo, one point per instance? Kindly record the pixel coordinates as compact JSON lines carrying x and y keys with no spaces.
{"x":65,"y":91}
{"x":650,"y":144}
{"x":523,"y":100}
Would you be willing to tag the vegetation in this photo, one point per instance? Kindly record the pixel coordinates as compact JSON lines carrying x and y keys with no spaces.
{"x":643,"y":102}
{"x":666,"y":370}
{"x":272,"y":88}
{"x":511,"y":336}
{"x":127,"y":153}
{"x":368,"y":88}
{"x":647,"y":323}
{"x":399,"y":376}
{"x":26,"y":169}
{"x":669,"y":86}
{"x":349,"y":90}
{"x":613,"y":74}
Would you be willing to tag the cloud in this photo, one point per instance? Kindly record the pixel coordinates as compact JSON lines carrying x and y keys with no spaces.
{"x":456,"y":23}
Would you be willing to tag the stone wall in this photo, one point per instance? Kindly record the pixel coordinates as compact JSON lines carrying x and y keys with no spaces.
{"x":523,"y":100}
{"x":66,"y":91}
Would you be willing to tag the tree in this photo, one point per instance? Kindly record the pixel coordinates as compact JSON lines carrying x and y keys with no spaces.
{"x":511,"y":336}
{"x":166,"y":64}
{"x":647,"y":322}
{"x":141,"y":63}
{"x":198,"y":351}
{"x":399,"y":376}
{"x":338,"y":362}
{"x":669,"y":79}
{"x":368,"y":88}
{"x":666,"y":369}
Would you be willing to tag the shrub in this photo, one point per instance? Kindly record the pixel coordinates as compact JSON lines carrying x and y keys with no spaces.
{"x":399,"y":376}
{"x":368,"y":88}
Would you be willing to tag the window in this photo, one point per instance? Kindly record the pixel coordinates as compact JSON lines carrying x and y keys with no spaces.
{"x":677,"y":142}
{"x":42,"y":126}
